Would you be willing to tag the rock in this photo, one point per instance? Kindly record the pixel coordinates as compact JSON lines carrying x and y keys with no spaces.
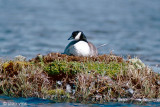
{"x":20,"y":58}
{"x":137,"y":63}
{"x":98,"y":97}
{"x":158,"y":82}
{"x":68,"y":88}
{"x":40,"y":57}
{"x":59,"y":83}
{"x":130,"y":91}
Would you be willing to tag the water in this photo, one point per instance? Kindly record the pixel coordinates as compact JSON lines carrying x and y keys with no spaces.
{"x":127,"y":27}
{"x":7,"y":101}
{"x":131,"y":27}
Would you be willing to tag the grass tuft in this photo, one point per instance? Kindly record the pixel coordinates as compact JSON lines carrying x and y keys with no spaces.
{"x":59,"y":76}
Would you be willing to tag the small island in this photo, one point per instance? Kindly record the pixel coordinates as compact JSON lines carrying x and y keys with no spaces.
{"x":79,"y":79}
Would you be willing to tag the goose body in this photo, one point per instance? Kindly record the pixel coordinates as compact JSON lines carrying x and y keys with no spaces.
{"x":80,"y":46}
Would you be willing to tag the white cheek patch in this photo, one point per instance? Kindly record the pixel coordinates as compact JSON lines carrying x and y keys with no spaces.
{"x":78,"y":36}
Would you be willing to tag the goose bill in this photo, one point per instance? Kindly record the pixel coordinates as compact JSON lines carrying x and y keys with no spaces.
{"x":70,"y":38}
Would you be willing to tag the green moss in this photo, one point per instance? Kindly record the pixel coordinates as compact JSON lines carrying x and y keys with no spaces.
{"x":56,"y":92}
{"x":103,"y":68}
{"x":64,"y":67}
{"x":58,"y":67}
{"x":10,"y":65}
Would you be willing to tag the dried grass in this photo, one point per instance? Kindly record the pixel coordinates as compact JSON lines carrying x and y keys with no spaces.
{"x":102,"y":78}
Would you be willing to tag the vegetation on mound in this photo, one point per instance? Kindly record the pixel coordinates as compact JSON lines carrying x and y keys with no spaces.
{"x":59,"y":76}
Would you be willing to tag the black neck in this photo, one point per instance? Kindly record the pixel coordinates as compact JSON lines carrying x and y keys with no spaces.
{"x":83,"y":40}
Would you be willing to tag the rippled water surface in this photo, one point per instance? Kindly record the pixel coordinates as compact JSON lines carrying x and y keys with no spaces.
{"x":36,"y":102}
{"x":31,"y":27}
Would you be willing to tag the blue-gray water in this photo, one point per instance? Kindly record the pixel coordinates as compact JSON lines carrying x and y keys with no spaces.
{"x":128,"y":27}
{"x":14,"y":102}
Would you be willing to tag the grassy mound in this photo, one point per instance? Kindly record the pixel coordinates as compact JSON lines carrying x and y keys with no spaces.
{"x":62,"y":77}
